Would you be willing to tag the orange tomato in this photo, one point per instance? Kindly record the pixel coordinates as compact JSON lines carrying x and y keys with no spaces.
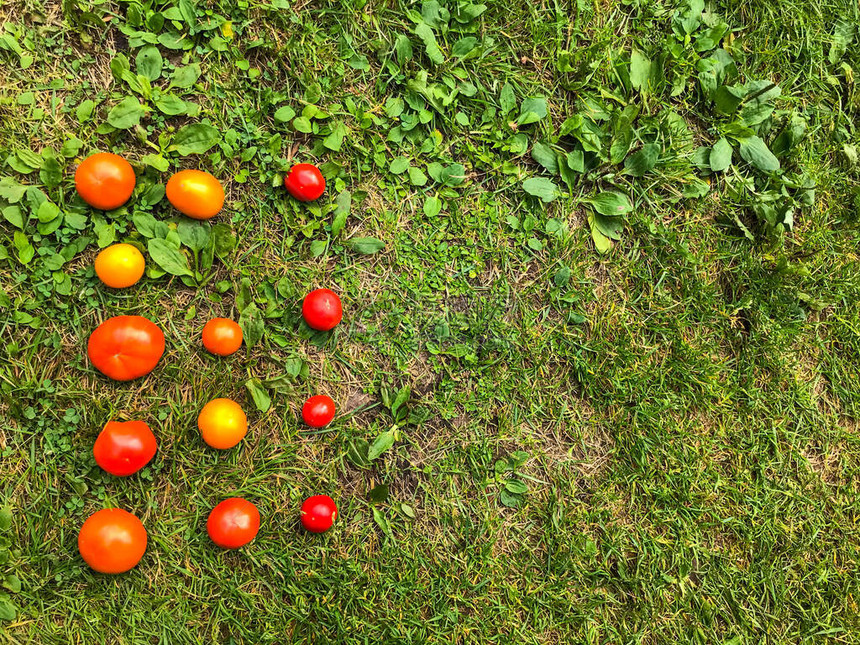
{"x":112,"y":541}
{"x":105,"y":180}
{"x":222,"y":423}
{"x":195,"y":193}
{"x":119,"y":265}
{"x":222,"y":336}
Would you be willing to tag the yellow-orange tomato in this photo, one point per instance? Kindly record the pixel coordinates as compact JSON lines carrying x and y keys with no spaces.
{"x":222,"y":336}
{"x":222,"y":423}
{"x":105,"y":180}
{"x":195,"y":193}
{"x":120,"y":265}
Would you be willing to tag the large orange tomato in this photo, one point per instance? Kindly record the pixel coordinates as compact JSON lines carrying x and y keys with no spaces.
{"x":195,"y":193}
{"x":222,"y":423}
{"x":125,"y":347}
{"x":112,"y":541}
{"x":120,"y":265}
{"x":105,"y":180}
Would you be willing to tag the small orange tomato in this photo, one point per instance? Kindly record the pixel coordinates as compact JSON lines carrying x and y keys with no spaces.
{"x":120,"y":265}
{"x":222,"y":336}
{"x":112,"y":541}
{"x":222,"y":423}
{"x":195,"y":193}
{"x":105,"y":180}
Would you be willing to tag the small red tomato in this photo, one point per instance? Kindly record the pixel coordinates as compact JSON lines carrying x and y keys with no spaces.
{"x":123,"y":448}
{"x":318,"y":411}
{"x":125,"y":347}
{"x":233,"y":523}
{"x":305,"y":182}
{"x":318,"y":513}
{"x":112,"y":540}
{"x":322,"y":309}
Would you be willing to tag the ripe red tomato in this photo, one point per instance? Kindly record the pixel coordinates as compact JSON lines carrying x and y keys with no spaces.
{"x":222,"y":336}
{"x":112,"y":541}
{"x":233,"y":523}
{"x":318,"y":513}
{"x":322,"y":309}
{"x":305,"y":182}
{"x":195,"y":193}
{"x":125,"y":347}
{"x":105,"y":180}
{"x":123,"y":448}
{"x":318,"y":411}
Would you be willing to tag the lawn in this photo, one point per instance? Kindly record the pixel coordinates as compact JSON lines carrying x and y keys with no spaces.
{"x":598,"y":376}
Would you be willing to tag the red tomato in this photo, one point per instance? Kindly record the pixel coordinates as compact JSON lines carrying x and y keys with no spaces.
{"x":322,"y":309}
{"x":123,"y":448}
{"x":105,"y":180}
{"x":318,"y":411}
{"x":233,"y":523}
{"x":112,"y":541}
{"x":305,"y":182}
{"x":318,"y":513}
{"x":125,"y":347}
{"x":222,"y":336}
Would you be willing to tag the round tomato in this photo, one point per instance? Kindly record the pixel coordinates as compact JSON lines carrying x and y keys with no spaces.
{"x":112,"y":541}
{"x":125,"y":347}
{"x":123,"y":448}
{"x":105,"y":180}
{"x":195,"y":193}
{"x":233,"y":523}
{"x":318,"y":513}
{"x":120,"y":265}
{"x":322,"y":309}
{"x":222,"y":423}
{"x":305,"y":182}
{"x":318,"y":411}
{"x":222,"y":336}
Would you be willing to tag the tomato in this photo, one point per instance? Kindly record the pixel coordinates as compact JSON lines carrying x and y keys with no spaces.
{"x":222,"y":423}
{"x":318,"y":513}
{"x":233,"y":523}
{"x":222,"y":336}
{"x":305,"y":182}
{"x":318,"y":411}
{"x":112,"y":541}
{"x":322,"y":309}
{"x":195,"y":193}
{"x":125,"y":347}
{"x":123,"y":448}
{"x":105,"y":180}
{"x":120,"y":265}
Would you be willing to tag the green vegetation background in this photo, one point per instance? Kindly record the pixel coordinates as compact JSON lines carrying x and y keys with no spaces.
{"x":598,"y":374}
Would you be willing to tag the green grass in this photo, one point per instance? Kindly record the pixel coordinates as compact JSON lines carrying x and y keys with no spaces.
{"x":682,"y":409}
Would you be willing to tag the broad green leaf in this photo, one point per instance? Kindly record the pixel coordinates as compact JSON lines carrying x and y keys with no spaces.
{"x":602,"y":243}
{"x":196,"y":138}
{"x":366,"y":245}
{"x":23,"y":246}
{"x":542,"y":188}
{"x":185,"y":77}
{"x":48,"y":211}
{"x":383,"y":442}
{"x":425,"y":33}
{"x":516,"y":487}
{"x":12,"y":583}
{"x":727,"y":98}
{"x":170,"y":259}
{"x":170,"y":104}
{"x":642,"y":161}
{"x":334,"y":140}
{"x":85,"y":110}
{"x":194,"y":234}
{"x":14,"y":216}
{"x":754,"y":151}
{"x":149,"y":62}
{"x":303,"y":124}
{"x":402,"y":49}
{"x":532,"y":110}
{"x":399,"y":165}
{"x":50,"y":173}
{"x":343,"y":202}
{"x":611,"y":227}
{"x":5,"y":519}
{"x":156,"y":161}
{"x":285,"y":114}
{"x":507,"y":99}
{"x":641,"y":72}
{"x":464,"y":46}
{"x":223,"y":239}
{"x":721,"y":156}
{"x":610,"y":204}
{"x":843,"y":35}
{"x":259,"y":394}
{"x":7,"y":610}
{"x":545,"y":156}
{"x":621,"y":142}
{"x":432,"y":206}
{"x":417,"y":176}
{"x":126,"y":114}
{"x":252,"y":324}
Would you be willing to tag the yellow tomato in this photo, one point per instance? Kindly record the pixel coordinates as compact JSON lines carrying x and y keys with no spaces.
{"x":120,"y":265}
{"x":222,"y":423}
{"x":195,"y":193}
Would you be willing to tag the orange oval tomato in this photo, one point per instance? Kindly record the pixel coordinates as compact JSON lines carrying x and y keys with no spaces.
{"x":124,"y":447}
{"x":120,"y":265}
{"x":222,"y":336}
{"x":112,"y":541}
{"x":233,"y":523}
{"x":222,"y":423}
{"x":105,"y":180}
{"x":195,"y":193}
{"x":125,"y":347}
